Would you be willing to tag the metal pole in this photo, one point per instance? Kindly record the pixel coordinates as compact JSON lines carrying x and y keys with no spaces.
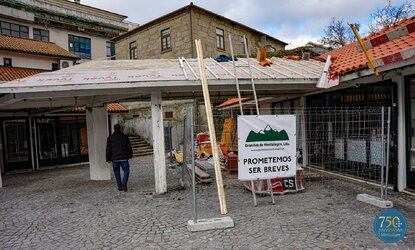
{"x":193,"y":165}
{"x":387,"y":152}
{"x":236,"y":77}
{"x":171,"y":143}
{"x":383,"y":152}
{"x":250,"y":73}
{"x":185,"y":145}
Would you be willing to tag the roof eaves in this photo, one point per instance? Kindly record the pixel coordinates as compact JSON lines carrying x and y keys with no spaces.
{"x":154,"y":21}
{"x":41,"y":54}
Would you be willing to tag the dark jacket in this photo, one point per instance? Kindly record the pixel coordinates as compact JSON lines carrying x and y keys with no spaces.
{"x":118,"y":147}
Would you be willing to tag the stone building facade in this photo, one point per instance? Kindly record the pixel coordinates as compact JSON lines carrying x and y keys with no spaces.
{"x":173,"y":35}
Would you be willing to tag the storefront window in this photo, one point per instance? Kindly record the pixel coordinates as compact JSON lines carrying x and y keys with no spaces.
{"x":411,"y":135}
{"x":69,"y":136}
{"x":16,"y":141}
{"x":46,"y":129}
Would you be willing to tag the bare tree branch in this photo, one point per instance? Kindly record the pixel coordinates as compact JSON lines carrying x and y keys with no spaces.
{"x":390,"y":15}
{"x":337,"y":33}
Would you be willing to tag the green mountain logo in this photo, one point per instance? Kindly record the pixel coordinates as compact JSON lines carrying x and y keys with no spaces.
{"x":267,"y":134}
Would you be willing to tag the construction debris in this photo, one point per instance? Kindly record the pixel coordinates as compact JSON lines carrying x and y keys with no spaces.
{"x":201,"y":176}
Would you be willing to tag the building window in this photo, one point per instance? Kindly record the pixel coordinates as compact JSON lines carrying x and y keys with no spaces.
{"x":41,"y":35}
{"x":110,"y":51}
{"x":12,"y":29}
{"x":133,"y":50}
{"x":168,"y":115}
{"x":7,"y":62}
{"x":220,"y":39}
{"x":165,"y":39}
{"x":243,"y":46}
{"x":55,"y":66}
{"x":80,"y":46}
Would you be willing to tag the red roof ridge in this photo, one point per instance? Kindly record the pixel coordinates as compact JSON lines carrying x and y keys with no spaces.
{"x":26,"y":38}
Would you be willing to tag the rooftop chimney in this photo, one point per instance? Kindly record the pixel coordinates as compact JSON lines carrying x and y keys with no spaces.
{"x":77,"y":1}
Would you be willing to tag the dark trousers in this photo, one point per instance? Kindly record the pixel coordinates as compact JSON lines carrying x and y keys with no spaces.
{"x":125,"y":168}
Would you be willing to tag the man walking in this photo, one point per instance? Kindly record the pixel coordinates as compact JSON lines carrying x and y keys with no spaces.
{"x":119,"y":151}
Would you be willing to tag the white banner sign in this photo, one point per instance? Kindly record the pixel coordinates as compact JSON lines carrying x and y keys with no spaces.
{"x":266,"y":147}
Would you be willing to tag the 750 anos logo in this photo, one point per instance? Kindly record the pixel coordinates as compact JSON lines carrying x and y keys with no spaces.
{"x":390,"y":226}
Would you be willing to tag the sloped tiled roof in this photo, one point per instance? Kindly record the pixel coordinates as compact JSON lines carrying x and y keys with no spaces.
{"x":348,"y":58}
{"x":10,"y":74}
{"x":111,"y":107}
{"x":231,"y":102}
{"x":24,"y":45}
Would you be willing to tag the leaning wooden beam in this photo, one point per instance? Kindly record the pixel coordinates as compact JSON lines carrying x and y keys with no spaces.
{"x":225,"y":69}
{"x":363,"y":46}
{"x":184,"y":70}
{"x":260,"y":70}
{"x":191,"y":69}
{"x":212,"y":134}
{"x":211,"y":71}
{"x":291,"y":70}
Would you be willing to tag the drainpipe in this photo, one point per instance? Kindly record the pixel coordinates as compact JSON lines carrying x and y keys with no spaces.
{"x":191,"y":31}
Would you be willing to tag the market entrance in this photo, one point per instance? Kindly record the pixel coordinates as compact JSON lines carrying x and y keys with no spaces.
{"x":15,"y":134}
{"x":410,"y":173}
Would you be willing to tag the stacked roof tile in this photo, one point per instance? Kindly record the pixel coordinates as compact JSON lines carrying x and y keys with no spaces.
{"x":111,"y":107}
{"x":10,"y":74}
{"x":231,"y":102}
{"x":24,"y":45}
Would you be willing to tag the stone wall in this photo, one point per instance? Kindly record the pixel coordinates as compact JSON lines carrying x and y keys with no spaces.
{"x":183,"y":34}
{"x":138,"y":119}
{"x":149,"y":40}
{"x":204,"y":28}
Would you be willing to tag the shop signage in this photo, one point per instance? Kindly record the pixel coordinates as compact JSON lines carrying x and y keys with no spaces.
{"x":266,"y":147}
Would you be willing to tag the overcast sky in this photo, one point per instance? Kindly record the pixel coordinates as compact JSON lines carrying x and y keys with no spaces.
{"x":293,"y":21}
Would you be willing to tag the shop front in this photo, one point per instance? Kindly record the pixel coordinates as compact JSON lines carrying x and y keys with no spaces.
{"x":345,"y":128}
{"x":15,"y":144}
{"x":410,"y":130}
{"x":61,"y":140}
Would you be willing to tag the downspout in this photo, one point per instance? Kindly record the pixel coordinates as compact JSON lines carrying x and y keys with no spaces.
{"x":191,"y":31}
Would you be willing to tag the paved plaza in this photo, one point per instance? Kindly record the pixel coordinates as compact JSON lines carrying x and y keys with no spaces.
{"x":63,"y":209}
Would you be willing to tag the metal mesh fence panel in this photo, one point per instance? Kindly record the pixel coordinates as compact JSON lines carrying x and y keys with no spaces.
{"x":337,"y":148}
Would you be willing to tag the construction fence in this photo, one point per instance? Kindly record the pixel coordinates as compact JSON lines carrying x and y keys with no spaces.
{"x":337,"y":148}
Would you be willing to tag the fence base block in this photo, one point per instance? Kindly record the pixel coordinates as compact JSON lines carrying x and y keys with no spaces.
{"x":210,"y":224}
{"x":375,"y":201}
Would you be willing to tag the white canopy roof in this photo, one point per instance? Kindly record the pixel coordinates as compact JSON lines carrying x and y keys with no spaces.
{"x":113,"y":80}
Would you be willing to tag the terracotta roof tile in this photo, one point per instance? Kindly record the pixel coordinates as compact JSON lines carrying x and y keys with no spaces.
{"x":348,"y":58}
{"x":231,"y":102}
{"x":111,"y":107}
{"x":10,"y":74}
{"x":24,"y":45}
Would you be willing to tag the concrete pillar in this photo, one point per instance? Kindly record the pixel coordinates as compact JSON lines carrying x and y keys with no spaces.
{"x":97,"y":129}
{"x":158,"y":143}
{"x":399,"y":80}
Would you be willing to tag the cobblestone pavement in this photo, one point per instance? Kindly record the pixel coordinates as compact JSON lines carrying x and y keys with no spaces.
{"x":63,"y":209}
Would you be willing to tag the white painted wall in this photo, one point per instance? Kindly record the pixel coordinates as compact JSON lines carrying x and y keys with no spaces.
{"x":28,"y":60}
{"x":60,"y":37}
{"x":98,"y":44}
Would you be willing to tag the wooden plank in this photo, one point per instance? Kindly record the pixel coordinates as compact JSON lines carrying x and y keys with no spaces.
{"x":201,"y":174}
{"x":212,"y":131}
